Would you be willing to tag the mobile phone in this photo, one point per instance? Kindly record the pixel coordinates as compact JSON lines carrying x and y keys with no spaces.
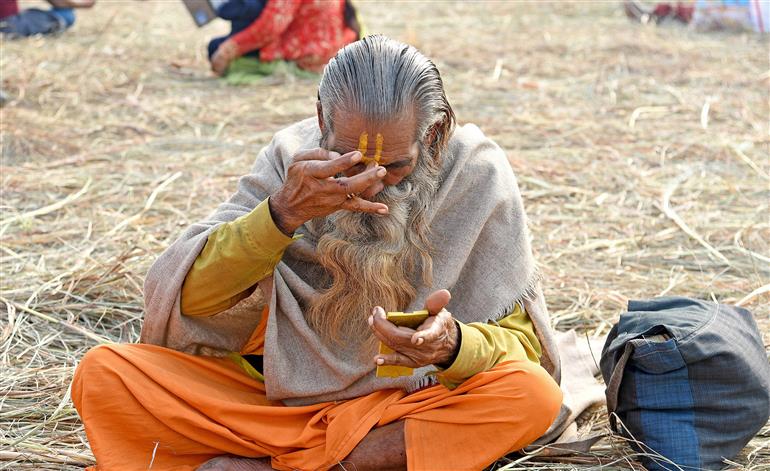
{"x":411,"y":320}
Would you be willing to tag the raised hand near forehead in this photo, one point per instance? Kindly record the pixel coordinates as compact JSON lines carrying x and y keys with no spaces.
{"x":433,"y":343}
{"x":312,"y":188}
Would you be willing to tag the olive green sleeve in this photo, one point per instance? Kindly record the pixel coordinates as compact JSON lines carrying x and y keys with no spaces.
{"x":236,"y":256}
{"x":483,"y":346}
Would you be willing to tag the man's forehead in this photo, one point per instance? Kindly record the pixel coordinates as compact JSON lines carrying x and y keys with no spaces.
{"x":389,"y":141}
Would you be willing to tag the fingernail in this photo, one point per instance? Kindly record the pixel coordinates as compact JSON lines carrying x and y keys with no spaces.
{"x":381,"y":172}
{"x":380,"y":361}
{"x":370,"y":320}
{"x":383,"y":211}
{"x":333,"y":155}
{"x":420,"y":341}
{"x":356,"y":157}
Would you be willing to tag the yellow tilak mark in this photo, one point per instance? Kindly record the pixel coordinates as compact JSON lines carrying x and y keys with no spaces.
{"x":363,"y":147}
{"x":378,"y":149}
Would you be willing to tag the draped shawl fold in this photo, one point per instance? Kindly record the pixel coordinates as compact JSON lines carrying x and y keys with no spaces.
{"x":482,"y":255}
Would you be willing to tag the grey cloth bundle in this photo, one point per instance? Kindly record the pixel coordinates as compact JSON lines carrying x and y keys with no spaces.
{"x":687,"y":378}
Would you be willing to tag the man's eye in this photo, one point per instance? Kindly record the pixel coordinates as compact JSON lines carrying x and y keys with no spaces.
{"x":393,"y":167}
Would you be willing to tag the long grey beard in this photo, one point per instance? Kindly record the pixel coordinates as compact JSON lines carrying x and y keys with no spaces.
{"x":373,"y":260}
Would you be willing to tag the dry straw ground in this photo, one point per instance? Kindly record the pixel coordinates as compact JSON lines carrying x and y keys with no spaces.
{"x":642,"y":154}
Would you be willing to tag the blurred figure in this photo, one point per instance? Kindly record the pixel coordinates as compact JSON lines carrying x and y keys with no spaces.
{"x":31,"y":21}
{"x":733,"y":15}
{"x":240,"y":13}
{"x":680,"y":11}
{"x":307,"y":33}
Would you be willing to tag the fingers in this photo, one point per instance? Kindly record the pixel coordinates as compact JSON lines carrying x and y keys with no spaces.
{"x":363,"y":206}
{"x":388,"y":333}
{"x":431,"y":345}
{"x":315,"y":154}
{"x":391,"y":336}
{"x":432,"y":329}
{"x":358,"y":183}
{"x":437,"y":301}
{"x":395,"y":359}
{"x":331,"y":165}
{"x":369,"y":193}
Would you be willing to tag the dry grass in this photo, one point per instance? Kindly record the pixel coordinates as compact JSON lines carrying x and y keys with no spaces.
{"x":642,"y":154}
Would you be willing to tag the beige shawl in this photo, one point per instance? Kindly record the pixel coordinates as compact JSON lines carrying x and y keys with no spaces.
{"x":482,"y":255}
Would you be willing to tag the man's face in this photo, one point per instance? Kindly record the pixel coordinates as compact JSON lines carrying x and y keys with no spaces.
{"x":368,"y":256}
{"x":391,"y":145}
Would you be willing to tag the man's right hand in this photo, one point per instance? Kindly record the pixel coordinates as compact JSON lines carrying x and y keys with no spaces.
{"x":312,"y":189}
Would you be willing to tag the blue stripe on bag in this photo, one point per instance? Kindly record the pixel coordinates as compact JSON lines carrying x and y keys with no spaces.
{"x":667,"y":412}
{"x":666,"y":400}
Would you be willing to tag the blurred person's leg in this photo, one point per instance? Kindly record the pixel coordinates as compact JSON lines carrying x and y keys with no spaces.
{"x":240,"y":13}
{"x":67,"y":15}
{"x":34,"y":21}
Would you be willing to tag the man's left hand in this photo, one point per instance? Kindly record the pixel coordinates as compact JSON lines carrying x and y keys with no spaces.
{"x":434,"y":342}
{"x":224,"y":55}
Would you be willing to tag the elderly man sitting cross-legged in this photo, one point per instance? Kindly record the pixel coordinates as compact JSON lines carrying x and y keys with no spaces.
{"x":379,"y":204}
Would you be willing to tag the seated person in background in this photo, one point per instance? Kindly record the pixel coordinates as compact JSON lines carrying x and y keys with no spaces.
{"x":706,"y":15}
{"x":374,"y":205}
{"x":240,"y":13}
{"x":305,"y":32}
{"x":19,"y":24}
{"x":641,"y":11}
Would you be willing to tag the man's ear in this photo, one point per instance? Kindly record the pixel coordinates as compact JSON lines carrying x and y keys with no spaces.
{"x":320,"y":112}
{"x":431,"y":137}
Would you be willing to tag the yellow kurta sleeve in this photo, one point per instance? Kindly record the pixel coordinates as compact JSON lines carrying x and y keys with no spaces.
{"x":482,"y":346}
{"x":236,"y":256}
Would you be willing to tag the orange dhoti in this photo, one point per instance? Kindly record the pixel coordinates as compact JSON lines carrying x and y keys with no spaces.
{"x":148,"y":407}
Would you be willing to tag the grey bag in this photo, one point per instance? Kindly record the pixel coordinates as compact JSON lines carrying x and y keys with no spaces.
{"x":688,"y":378}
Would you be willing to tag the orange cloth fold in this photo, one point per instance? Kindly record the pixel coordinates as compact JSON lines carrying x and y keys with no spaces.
{"x":256,"y":343}
{"x":148,"y":407}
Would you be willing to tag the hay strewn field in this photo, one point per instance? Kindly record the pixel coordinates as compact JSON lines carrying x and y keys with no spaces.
{"x":643,"y":154}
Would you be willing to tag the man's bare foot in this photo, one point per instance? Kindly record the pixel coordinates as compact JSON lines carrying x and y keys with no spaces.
{"x":236,"y":463}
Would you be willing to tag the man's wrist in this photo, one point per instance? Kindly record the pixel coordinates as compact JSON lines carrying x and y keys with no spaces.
{"x":280,"y":216}
{"x":458,"y":338}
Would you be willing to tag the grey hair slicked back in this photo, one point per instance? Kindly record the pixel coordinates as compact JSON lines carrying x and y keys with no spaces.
{"x":382,"y":79}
